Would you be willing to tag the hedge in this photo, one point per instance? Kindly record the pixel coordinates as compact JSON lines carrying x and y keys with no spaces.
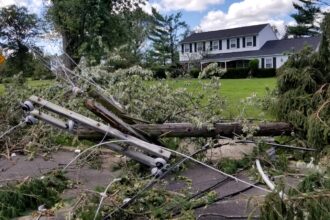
{"x":159,"y":72}
{"x":236,"y":73}
{"x":264,"y":73}
{"x":240,"y":73}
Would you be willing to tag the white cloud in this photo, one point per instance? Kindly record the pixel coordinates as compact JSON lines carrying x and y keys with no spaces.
{"x":5,"y":3}
{"x":187,"y":5}
{"x":147,"y":7}
{"x":248,"y":12}
{"x":34,"y":6}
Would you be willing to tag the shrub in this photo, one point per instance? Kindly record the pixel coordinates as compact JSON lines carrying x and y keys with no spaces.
{"x":264,"y":73}
{"x":254,"y":64}
{"x":194,"y":72}
{"x":240,"y":73}
{"x":41,"y":72}
{"x":159,"y":72}
{"x":176,"y":71}
{"x":236,"y":73}
{"x":212,"y":69}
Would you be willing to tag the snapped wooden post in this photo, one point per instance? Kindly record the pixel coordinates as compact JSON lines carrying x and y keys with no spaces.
{"x":114,"y":133}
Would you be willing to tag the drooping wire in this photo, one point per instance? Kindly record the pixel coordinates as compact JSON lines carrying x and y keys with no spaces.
{"x":11,"y":129}
{"x":156,"y":178}
{"x":216,"y":170}
{"x":104,"y":195}
{"x":92,"y":147}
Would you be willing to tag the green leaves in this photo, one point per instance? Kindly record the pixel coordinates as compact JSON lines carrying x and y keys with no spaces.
{"x":306,"y":18}
{"x":303,"y":87}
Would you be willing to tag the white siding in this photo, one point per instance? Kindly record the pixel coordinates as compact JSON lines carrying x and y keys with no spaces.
{"x":265,"y":35}
{"x":280,"y":60}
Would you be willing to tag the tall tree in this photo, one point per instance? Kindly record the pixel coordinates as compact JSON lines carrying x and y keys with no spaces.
{"x":90,"y":27}
{"x":139,"y":24}
{"x":17,"y":28}
{"x":305,"y":17}
{"x":165,"y":36}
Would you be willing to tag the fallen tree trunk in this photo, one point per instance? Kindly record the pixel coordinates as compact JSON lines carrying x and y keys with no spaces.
{"x":191,"y":130}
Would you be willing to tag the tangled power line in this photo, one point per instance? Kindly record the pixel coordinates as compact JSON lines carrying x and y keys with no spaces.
{"x":162,"y":168}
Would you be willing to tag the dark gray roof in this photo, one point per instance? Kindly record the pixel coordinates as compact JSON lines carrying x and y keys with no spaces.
{"x":272,"y":47}
{"x":227,"y":33}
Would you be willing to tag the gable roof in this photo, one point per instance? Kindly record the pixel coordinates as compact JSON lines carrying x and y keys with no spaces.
{"x":273,"y":47}
{"x":226,"y":33}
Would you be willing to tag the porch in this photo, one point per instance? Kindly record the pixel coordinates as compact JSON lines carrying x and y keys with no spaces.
{"x":242,"y":63}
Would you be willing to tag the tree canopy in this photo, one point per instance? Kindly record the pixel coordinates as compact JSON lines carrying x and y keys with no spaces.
{"x":304,"y":92}
{"x":165,"y":37}
{"x":305,"y":17}
{"x":17,"y":29}
{"x":91,"y":28}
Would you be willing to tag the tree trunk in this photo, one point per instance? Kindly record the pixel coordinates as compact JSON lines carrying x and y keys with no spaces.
{"x":68,"y":47}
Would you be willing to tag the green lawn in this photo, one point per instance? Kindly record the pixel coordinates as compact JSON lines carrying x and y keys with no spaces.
{"x":32,"y":83}
{"x":234,"y":90}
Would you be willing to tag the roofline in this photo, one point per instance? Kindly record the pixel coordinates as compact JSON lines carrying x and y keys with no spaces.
{"x":266,"y":24}
{"x":216,"y":38}
{"x":229,"y":59}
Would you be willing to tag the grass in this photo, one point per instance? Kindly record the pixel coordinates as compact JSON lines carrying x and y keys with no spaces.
{"x":31,"y":83}
{"x":234,"y":91}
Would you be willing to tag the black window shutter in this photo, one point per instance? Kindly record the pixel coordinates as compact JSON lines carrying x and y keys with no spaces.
{"x":190,"y":47}
{"x":220,"y":44}
{"x":204,"y":46}
{"x":238,"y":40}
{"x":243,"y":41}
{"x":262,"y":62}
{"x":211,"y":44}
{"x":195,"y":47}
{"x":182,"y":48}
{"x":274,"y":62}
{"x":254,"y":41}
{"x":228,"y":44}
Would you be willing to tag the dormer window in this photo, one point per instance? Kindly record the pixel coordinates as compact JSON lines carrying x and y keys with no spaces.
{"x":215,"y":45}
{"x":233,"y":43}
{"x":249,"y":41}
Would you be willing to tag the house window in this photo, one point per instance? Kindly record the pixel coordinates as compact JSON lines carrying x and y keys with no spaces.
{"x":186,"y":48}
{"x":249,"y":41}
{"x":233,"y":43}
{"x":269,"y":63}
{"x":199,"y":47}
{"x":215,"y":45}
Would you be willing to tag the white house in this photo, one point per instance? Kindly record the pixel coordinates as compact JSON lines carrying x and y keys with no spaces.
{"x":233,"y":48}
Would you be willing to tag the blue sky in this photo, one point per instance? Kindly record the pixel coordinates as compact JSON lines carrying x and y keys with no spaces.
{"x":220,"y":14}
{"x":205,"y":15}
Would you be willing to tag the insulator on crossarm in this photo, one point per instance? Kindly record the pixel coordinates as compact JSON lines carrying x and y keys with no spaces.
{"x":156,"y":172}
{"x":126,"y":200}
{"x":27,"y":106}
{"x":30,"y":120}
{"x":160,"y":162}
{"x":70,"y":125}
{"x":76,"y":90}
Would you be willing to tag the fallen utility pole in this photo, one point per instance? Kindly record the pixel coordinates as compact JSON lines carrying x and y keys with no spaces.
{"x":100,"y":127}
{"x":191,"y":130}
{"x":185,"y":129}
